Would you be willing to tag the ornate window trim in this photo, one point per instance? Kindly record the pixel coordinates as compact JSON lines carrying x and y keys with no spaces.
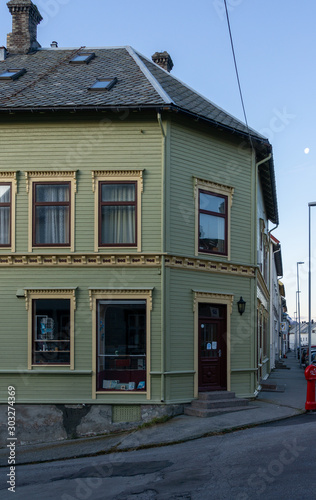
{"x":11,"y":178}
{"x":220,"y":189}
{"x":50,"y":293}
{"x":96,"y":294}
{"x":32,"y":177}
{"x":201,"y":296}
{"x":116,"y":176}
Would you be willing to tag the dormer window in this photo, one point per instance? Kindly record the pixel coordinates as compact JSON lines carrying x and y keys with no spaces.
{"x":103,"y":84}
{"x":12,"y":74}
{"x":83,"y":58}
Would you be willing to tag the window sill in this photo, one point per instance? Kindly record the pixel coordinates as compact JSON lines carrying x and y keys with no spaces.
{"x":136,"y":393}
{"x":46,"y":372}
{"x":51,"y":247}
{"x":219,"y":255}
{"x":120,"y":247}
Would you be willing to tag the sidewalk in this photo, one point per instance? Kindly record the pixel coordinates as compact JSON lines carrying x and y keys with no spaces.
{"x":268,"y":407}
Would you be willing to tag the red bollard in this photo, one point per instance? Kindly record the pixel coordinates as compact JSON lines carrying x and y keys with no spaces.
{"x":310,"y":375}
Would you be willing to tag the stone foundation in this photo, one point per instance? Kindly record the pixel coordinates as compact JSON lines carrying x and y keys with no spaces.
{"x":51,"y":423}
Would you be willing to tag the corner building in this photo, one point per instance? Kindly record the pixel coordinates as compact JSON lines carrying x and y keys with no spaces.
{"x":133,"y":214}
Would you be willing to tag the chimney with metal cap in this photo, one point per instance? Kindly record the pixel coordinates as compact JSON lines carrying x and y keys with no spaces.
{"x":25,"y":18}
{"x":163,"y":60}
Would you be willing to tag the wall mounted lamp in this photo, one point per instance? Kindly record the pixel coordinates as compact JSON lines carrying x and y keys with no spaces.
{"x":241,"y":304}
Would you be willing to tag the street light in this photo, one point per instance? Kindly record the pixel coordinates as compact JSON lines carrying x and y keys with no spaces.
{"x":295,"y":331}
{"x":299,"y":312}
{"x":311,"y":204}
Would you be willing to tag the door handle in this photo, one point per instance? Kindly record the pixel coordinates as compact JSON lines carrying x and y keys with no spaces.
{"x":219,"y":353}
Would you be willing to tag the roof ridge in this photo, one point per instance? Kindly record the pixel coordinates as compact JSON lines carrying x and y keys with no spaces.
{"x":202,"y":96}
{"x":150,"y":77}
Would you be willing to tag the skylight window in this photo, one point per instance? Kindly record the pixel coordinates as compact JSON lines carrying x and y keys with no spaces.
{"x":83,"y":57}
{"x":103,"y":84}
{"x":12,"y":74}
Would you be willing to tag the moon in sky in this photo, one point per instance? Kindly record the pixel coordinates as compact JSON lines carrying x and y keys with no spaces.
{"x":306,"y":151}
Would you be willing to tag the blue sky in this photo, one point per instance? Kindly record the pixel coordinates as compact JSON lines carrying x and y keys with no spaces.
{"x":275,"y":45}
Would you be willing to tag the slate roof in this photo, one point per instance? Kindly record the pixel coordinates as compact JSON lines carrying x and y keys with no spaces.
{"x":51,"y":82}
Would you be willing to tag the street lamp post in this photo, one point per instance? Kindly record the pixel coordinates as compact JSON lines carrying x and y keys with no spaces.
{"x":299,"y":312}
{"x":295,"y":331}
{"x":311,"y":204}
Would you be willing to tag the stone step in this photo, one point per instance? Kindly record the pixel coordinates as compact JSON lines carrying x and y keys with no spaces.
{"x":220,"y":403}
{"x":279,"y":365}
{"x":200,"y":412}
{"x":216,"y":395}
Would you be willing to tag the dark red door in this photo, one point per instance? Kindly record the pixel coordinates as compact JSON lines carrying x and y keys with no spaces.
{"x":212,"y":348}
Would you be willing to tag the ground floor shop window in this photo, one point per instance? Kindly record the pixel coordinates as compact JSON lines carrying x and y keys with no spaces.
{"x":121,"y":345}
{"x":51,"y":331}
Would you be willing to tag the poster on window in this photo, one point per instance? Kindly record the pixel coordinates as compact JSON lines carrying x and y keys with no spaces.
{"x":214,"y":312}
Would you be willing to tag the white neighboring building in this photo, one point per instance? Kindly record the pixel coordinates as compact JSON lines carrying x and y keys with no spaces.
{"x":294,"y":337}
{"x":304,"y":334}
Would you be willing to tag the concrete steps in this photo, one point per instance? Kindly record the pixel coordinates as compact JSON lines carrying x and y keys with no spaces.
{"x":214,"y":403}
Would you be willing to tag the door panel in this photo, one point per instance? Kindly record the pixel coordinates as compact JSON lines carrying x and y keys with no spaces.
{"x":212,"y":353}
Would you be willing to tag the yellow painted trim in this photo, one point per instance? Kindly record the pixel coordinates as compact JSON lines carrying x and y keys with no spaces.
{"x":10,"y":177}
{"x":211,"y":298}
{"x":112,"y":294}
{"x":54,"y":293}
{"x":210,"y":266}
{"x":212,"y":187}
{"x":116,"y":176}
{"x":90,"y":260}
{"x":51,"y":176}
{"x":263,"y":286}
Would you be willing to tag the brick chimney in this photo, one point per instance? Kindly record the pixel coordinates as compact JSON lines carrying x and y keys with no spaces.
{"x":25,"y":18}
{"x":163,"y":60}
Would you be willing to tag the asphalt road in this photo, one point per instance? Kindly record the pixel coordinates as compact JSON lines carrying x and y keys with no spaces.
{"x":273,"y":461}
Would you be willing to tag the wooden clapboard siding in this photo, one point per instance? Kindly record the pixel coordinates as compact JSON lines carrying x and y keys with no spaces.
{"x":85,"y":144}
{"x":210,"y":156}
{"x":13,"y":328}
{"x":180,"y":338}
{"x":133,"y":143}
{"x":243,"y":384}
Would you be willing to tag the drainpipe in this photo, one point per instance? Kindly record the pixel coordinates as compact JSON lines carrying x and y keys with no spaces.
{"x":163,"y":248}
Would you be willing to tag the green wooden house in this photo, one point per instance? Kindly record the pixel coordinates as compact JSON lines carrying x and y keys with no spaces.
{"x":133,"y":214}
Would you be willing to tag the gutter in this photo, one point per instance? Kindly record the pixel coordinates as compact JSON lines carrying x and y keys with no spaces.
{"x":139,"y":107}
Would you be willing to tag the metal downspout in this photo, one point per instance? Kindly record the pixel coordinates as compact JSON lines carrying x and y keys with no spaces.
{"x":163,"y":248}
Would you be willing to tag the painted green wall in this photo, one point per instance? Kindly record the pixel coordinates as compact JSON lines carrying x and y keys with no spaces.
{"x":89,"y":143}
{"x":180,"y":318}
{"x":13,"y":330}
{"x":99,"y":142}
{"x":217,"y":158}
